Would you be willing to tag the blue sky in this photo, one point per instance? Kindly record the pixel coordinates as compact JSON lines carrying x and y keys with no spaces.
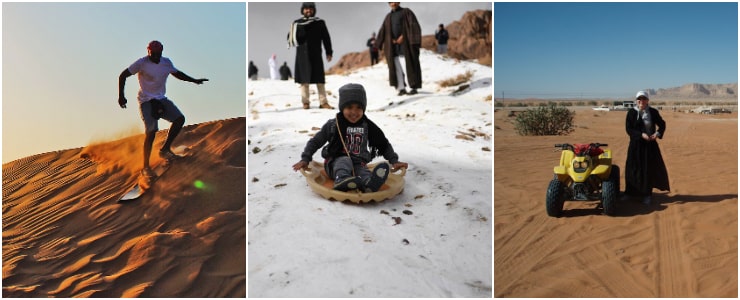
{"x":552,"y":50}
{"x":61,"y":63}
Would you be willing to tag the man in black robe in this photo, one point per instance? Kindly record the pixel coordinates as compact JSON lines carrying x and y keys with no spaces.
{"x":285,"y":73}
{"x":252,"y":71}
{"x":399,"y":38}
{"x":307,"y":34}
{"x":645,"y":168}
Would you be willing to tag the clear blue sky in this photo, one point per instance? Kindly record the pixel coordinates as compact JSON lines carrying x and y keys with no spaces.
{"x":552,"y":50}
{"x":61,"y":63}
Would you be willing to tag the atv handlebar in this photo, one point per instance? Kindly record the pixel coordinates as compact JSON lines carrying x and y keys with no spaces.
{"x":564,"y":146}
{"x":570,"y":147}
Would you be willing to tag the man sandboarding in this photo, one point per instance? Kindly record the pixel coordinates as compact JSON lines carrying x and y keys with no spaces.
{"x":152,"y":71}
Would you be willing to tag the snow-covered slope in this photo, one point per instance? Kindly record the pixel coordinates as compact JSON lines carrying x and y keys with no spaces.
{"x":301,"y":245}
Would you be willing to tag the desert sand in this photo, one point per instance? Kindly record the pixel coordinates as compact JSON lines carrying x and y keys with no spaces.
{"x":64,"y":234}
{"x":685,"y":245}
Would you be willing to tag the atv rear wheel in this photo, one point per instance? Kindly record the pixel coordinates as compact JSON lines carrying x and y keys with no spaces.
{"x":554,"y":202}
{"x":610,"y":192}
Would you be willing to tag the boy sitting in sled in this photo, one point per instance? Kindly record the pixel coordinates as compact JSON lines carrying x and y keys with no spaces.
{"x":348,"y":137}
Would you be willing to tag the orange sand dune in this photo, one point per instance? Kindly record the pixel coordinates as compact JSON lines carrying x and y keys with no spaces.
{"x":683,"y":246}
{"x":64,"y":234}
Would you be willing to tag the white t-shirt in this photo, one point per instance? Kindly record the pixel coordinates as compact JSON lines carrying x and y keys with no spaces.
{"x":152,"y":77}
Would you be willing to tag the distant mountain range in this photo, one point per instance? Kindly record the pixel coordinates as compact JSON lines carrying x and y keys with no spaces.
{"x":697,"y":90}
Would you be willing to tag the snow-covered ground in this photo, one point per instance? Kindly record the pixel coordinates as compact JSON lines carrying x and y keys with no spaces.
{"x":302,"y":245}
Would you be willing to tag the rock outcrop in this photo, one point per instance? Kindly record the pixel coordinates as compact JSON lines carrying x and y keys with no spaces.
{"x":470,"y":38}
{"x":697,"y":90}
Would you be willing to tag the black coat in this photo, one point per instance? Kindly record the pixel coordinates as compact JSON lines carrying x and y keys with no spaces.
{"x":411,"y":47}
{"x":442,"y":36}
{"x":252,"y":69}
{"x":285,"y":72}
{"x":311,"y":33}
{"x":371,"y":143}
{"x":645,"y":168}
{"x":371,"y":45}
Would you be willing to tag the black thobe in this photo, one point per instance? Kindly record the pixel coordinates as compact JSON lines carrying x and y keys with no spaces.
{"x":645,"y":168}
{"x":309,"y":64}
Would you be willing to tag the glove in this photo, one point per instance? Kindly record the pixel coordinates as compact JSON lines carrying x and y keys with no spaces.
{"x":122,"y":102}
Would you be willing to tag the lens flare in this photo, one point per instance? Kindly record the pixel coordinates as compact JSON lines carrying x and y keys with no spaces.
{"x":199,"y":184}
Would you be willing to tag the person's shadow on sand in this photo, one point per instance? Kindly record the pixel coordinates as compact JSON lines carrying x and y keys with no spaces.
{"x":633,"y":207}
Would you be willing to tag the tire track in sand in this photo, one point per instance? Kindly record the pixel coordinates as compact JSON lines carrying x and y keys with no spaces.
{"x":672,"y":278}
{"x":531,"y":245}
{"x":604,"y":273}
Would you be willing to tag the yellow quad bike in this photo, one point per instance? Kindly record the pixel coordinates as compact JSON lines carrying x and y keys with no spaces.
{"x":585,"y":173}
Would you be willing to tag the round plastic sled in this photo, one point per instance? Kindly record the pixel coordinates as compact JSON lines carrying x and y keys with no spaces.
{"x":321,"y":184}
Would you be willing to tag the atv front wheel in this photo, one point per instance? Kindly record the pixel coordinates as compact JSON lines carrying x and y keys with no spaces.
{"x":554,"y":202}
{"x":610,"y":192}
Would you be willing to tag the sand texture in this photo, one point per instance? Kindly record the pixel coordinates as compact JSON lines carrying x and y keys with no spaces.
{"x":685,"y":245}
{"x":64,"y":234}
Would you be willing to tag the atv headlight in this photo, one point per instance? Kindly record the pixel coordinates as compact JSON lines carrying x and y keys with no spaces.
{"x":580,"y":166}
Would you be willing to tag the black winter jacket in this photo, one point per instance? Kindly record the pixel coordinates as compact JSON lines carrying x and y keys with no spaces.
{"x":364,"y":141}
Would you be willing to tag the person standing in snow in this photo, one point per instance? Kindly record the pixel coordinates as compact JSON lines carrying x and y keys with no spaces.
{"x":153,"y":71}
{"x":274,"y":73}
{"x":307,"y":34}
{"x":645,"y":168}
{"x":442,"y":36}
{"x":348,"y":137}
{"x":373,"y":50}
{"x":285,"y":71}
{"x":252,"y":71}
{"x":399,"y":38}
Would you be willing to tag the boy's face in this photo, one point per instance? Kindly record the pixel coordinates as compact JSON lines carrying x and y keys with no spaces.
{"x":352,"y":112}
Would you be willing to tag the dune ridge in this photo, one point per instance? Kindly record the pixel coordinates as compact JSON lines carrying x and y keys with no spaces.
{"x":64,"y":234}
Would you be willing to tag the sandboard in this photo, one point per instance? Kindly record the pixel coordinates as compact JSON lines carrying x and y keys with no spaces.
{"x":143,"y":184}
{"x":140,"y":187}
{"x":321,"y":184}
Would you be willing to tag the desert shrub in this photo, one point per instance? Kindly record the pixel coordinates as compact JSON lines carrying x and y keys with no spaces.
{"x":459,"y":79}
{"x":550,"y":120}
{"x":518,"y":104}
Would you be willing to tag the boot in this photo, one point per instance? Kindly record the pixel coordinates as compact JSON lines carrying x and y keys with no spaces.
{"x":380,"y":174}
{"x":346,"y":184}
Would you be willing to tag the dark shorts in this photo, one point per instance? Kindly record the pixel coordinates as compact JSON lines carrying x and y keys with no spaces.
{"x":171,"y":113}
